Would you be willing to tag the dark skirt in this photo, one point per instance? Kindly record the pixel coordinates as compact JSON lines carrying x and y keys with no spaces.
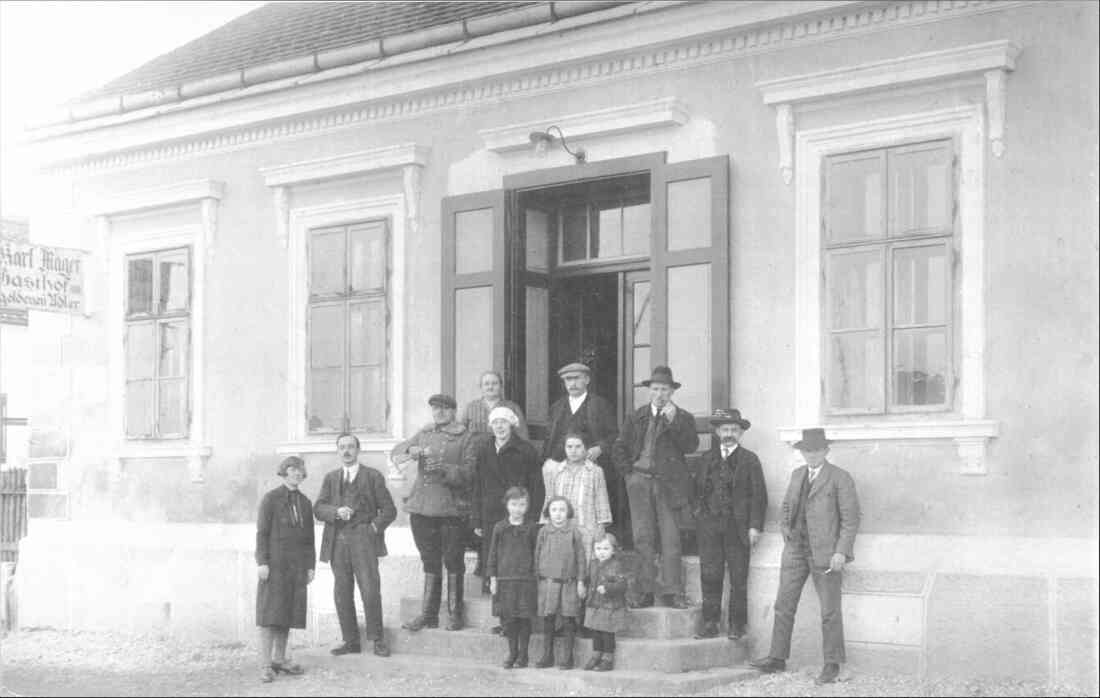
{"x":281,"y":598}
{"x":516,"y":598}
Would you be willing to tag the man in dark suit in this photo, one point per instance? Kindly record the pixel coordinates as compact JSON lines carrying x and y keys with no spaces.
{"x":356,"y":507}
{"x":819,"y":521}
{"x":593,"y":417}
{"x":730,"y":501}
{"x":650,"y":453}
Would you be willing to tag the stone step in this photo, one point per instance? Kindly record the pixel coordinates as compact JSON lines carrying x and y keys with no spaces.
{"x":632,"y":654}
{"x":654,"y":623}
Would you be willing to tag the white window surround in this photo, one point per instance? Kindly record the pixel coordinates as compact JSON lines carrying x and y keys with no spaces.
{"x":989,"y":61}
{"x":968,"y":424}
{"x":629,"y":118}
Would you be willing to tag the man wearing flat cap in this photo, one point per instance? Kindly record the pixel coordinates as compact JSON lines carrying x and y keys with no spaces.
{"x":819,"y":521}
{"x":650,"y":452}
{"x":592,"y":417}
{"x":730,"y":502}
{"x":438,"y":507}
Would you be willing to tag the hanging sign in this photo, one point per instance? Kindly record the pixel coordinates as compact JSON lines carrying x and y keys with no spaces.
{"x":40,"y":277}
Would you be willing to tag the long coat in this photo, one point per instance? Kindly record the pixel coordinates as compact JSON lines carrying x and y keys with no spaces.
{"x":515,"y":465}
{"x":369,"y":498}
{"x":286,"y":546}
{"x":594,"y":420}
{"x":512,"y":562}
{"x":742,"y":493}
{"x":673,"y":442}
{"x":606,"y":612}
{"x":832,"y":512}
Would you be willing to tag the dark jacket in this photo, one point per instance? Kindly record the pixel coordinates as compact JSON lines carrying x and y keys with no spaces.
{"x":444,"y":475}
{"x":673,"y":442}
{"x":738,"y":489}
{"x":594,"y":420}
{"x":516,"y":465}
{"x":832,"y":512}
{"x":368,"y":497}
{"x":279,"y":543}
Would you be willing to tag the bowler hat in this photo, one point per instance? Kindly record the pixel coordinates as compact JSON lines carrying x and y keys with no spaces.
{"x":729,"y":415}
{"x":573,"y":368}
{"x":442,"y":400}
{"x":661,"y":374}
{"x":812,"y":440}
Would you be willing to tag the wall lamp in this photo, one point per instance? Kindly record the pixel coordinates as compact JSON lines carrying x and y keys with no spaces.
{"x":541,"y":140}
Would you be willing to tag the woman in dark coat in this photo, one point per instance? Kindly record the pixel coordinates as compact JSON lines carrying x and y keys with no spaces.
{"x":503,"y":461}
{"x":285,"y":556}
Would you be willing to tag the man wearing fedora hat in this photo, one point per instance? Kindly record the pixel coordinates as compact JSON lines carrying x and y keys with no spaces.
{"x":650,"y":452}
{"x":819,"y":521}
{"x":730,"y":502}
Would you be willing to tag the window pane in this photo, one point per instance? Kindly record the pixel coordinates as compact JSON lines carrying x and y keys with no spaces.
{"x":920,"y":285}
{"x":538,"y":239}
{"x":473,"y":339}
{"x":368,"y":257}
{"x":172,"y":415}
{"x":141,"y":349}
{"x":326,"y":262}
{"x":689,"y":340}
{"x":636,"y":227}
{"x":855,"y":289}
{"x":689,"y":214}
{"x":473,"y":241}
{"x":139,"y":408}
{"x":326,"y":399}
{"x":574,"y":233}
{"x":854,"y":206}
{"x":920,"y":367}
{"x":641,"y":313}
{"x":607,"y":236}
{"x":140,"y":286}
{"x":855,"y":375}
{"x":538,"y":354}
{"x":641,"y":366}
{"x":921,"y":196}
{"x":326,"y":336}
{"x":368,"y":399}
{"x":174,"y":283}
{"x":173,"y":349}
{"x":368,"y":333}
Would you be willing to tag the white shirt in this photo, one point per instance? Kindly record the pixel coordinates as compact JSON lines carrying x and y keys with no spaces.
{"x":727,"y":451}
{"x":575,"y":402}
{"x":813,"y":472}
{"x":350,"y":472}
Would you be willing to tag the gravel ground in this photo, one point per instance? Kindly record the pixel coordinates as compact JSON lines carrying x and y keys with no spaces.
{"x":48,"y":663}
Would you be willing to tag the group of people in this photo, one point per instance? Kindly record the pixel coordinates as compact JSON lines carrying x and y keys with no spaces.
{"x":549,"y":526}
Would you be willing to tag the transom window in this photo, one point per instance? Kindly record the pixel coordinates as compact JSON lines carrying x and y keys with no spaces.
{"x":348,"y":321}
{"x":158,"y":341}
{"x":888,"y":230}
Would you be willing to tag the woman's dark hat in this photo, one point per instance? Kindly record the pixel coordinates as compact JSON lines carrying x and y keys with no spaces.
{"x":729,"y":415}
{"x":812,"y":440}
{"x":662,"y":374}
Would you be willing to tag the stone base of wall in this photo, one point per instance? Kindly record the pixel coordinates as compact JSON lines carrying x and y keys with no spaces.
{"x":919,"y":605}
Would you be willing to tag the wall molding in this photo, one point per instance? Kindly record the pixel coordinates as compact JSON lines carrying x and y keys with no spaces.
{"x":349,"y":164}
{"x":771,"y":36}
{"x":157,"y":197}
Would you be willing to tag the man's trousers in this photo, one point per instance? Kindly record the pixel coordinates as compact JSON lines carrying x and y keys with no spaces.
{"x":655,"y":529}
{"x":796,"y":565}
{"x":721,"y":547}
{"x":355,"y":560}
{"x":441,"y":541}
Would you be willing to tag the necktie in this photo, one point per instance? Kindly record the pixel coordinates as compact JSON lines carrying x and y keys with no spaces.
{"x":813,"y":473}
{"x":295,"y":517}
{"x":347,"y":476}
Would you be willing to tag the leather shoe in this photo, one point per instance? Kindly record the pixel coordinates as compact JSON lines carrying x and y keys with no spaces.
{"x":641,"y":601}
{"x":292,"y":668}
{"x":737,"y":632}
{"x":769,"y":665}
{"x":347,"y":648}
{"x":828,"y":674}
{"x":710,"y":629}
{"x":381,"y":649}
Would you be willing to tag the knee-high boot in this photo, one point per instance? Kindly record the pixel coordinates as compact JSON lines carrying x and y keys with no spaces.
{"x":455,"y":607}
{"x":547,"y":648}
{"x":429,"y":605}
{"x":569,"y":633}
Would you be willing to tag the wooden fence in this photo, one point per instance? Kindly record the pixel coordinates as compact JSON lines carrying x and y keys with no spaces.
{"x":13,"y":512}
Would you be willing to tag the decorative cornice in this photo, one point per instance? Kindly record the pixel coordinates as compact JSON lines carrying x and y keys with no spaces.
{"x":363,"y":162}
{"x":601,"y":122}
{"x":773,"y":36}
{"x":157,"y":197}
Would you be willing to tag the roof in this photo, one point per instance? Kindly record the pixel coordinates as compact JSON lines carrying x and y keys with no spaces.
{"x":284,"y":30}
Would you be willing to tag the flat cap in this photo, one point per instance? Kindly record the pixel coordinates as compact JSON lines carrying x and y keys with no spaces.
{"x":442,"y":400}
{"x":573,"y":368}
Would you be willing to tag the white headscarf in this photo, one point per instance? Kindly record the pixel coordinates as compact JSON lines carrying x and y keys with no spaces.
{"x":502,"y":412}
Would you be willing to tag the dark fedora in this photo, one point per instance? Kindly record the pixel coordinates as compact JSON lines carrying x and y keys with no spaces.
{"x":729,"y":415}
{"x":662,"y":374}
{"x":442,"y":400}
{"x":812,"y":440}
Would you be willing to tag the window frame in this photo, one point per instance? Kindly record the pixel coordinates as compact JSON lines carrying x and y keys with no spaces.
{"x":888,"y":243}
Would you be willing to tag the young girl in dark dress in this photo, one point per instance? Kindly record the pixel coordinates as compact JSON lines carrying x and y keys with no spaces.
{"x":606,"y":604}
{"x":510,"y":568}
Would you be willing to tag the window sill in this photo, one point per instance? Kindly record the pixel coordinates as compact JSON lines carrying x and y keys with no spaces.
{"x":327,"y":444}
{"x":970,"y":436}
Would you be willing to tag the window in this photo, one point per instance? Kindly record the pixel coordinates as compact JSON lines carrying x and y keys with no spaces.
{"x":348,"y":320}
{"x":888,"y":231}
{"x":600,"y":220}
{"x":158,"y":341}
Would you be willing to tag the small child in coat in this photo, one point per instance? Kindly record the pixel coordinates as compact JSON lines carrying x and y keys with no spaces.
{"x":560,"y":564}
{"x":511,"y":571}
{"x":606,"y":607}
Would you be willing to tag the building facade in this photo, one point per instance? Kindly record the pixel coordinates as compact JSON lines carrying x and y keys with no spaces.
{"x":875,"y":217}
